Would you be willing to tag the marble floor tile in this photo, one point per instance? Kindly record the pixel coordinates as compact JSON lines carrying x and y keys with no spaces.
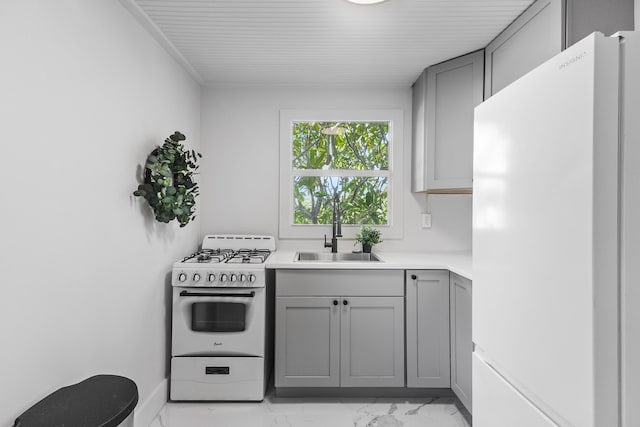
{"x":317,"y":412}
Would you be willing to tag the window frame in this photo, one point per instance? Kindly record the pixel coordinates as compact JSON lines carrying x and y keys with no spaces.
{"x":395,"y":117}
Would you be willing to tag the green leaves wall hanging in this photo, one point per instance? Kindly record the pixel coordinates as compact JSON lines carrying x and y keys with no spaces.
{"x":168,"y":186}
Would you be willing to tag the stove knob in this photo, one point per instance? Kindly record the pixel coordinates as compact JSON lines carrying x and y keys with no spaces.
{"x":233,"y":278}
{"x":243,"y":278}
{"x":223,"y":277}
{"x":196,"y":277}
{"x":212,"y":277}
{"x":182,"y":277}
{"x":252,"y":278}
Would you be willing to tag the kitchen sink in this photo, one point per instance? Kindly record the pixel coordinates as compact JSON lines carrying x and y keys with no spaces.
{"x":335,"y":257}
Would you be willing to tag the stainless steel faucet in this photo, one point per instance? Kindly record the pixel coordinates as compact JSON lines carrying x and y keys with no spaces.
{"x":336,"y":226}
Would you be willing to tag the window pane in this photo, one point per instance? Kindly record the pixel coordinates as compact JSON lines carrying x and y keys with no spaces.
{"x":364,"y":200}
{"x":341,"y":145}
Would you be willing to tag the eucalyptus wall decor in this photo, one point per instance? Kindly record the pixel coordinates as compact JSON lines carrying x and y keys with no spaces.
{"x":168,"y":186}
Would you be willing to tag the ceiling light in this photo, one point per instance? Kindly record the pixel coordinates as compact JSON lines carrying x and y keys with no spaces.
{"x":365,"y":1}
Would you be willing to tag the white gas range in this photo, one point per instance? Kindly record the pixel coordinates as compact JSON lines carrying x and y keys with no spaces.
{"x":219,"y":322}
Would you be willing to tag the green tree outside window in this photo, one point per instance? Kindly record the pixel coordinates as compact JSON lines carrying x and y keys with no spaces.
{"x":350,"y":159}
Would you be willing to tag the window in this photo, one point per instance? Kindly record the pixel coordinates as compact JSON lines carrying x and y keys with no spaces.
{"x":344,"y":156}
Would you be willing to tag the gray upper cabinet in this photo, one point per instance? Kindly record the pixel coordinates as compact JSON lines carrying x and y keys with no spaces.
{"x":418,"y":145}
{"x":428,"y":361}
{"x":543,"y":30}
{"x":586,"y":16}
{"x":444,"y":95}
{"x":461,"y":344}
{"x":444,"y":99}
{"x":534,"y":37}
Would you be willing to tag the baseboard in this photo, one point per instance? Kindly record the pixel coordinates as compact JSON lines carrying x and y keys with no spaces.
{"x":380,"y":392}
{"x":147,"y":411}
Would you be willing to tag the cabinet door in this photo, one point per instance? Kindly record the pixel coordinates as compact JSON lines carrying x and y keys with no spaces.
{"x":534,"y":37}
{"x":372,"y":342}
{"x":586,"y":16}
{"x":461,"y":345}
{"x":454,"y":89}
{"x":428,"y":328}
{"x":418,"y":100}
{"x":307,"y":342}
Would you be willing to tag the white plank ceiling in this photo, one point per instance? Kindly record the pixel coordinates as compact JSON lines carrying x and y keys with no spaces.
{"x":321,"y":42}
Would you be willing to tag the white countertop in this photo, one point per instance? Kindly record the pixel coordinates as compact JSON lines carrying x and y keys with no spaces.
{"x":457,"y":262}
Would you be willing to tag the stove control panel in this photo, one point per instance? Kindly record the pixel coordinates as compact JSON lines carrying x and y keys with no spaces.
{"x":201,"y":277}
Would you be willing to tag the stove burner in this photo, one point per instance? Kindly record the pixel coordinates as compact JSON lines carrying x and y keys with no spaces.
{"x":241,"y":256}
{"x":204,"y":257}
{"x":249,"y":256}
{"x":209,"y":256}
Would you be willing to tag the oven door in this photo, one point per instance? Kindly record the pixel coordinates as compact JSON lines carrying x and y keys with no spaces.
{"x":218,"y":321}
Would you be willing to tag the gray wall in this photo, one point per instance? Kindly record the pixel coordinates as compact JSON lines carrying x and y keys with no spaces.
{"x":86,"y":95}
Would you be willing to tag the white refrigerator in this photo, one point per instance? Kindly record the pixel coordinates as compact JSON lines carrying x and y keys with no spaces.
{"x":556,"y":238}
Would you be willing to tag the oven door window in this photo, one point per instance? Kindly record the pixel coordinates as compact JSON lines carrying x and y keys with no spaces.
{"x":218,"y":317}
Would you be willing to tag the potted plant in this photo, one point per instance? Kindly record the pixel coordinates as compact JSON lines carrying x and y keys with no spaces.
{"x":368,"y":237}
{"x":169,"y":186}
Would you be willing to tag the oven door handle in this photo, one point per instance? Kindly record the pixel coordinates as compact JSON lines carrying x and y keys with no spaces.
{"x":217,"y":294}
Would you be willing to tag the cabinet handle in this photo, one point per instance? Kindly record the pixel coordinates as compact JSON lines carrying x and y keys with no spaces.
{"x":345,"y":302}
{"x":414,"y":277}
{"x":335,"y":302}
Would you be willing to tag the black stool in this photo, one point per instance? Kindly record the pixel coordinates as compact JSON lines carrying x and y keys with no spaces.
{"x":99,"y":401}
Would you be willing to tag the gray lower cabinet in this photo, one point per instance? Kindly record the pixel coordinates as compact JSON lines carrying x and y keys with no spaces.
{"x":307,"y":342}
{"x":461,"y":344}
{"x":428,"y":361}
{"x":339,"y":328}
{"x":372,"y":342}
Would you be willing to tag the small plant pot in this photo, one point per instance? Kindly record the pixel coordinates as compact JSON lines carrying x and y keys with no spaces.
{"x":366,"y":248}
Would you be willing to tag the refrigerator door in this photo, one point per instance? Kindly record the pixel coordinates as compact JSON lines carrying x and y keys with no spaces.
{"x":498,"y":404}
{"x":545,"y":235}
